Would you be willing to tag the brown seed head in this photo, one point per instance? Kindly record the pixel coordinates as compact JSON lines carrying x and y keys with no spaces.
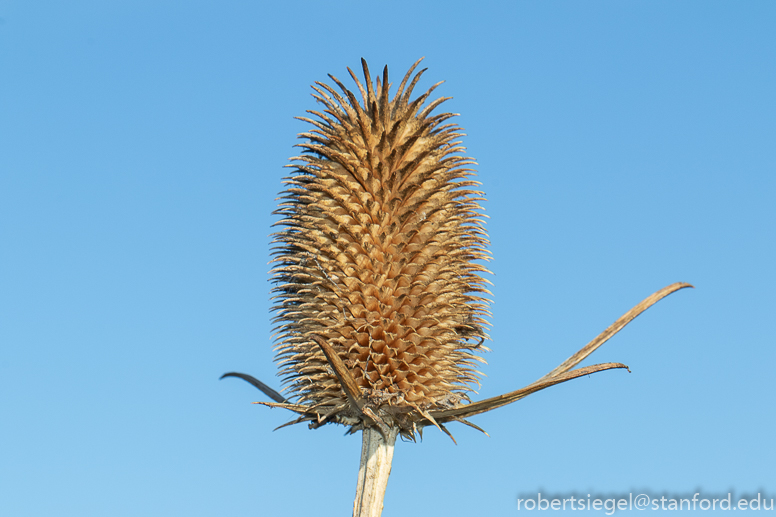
{"x":380,"y":257}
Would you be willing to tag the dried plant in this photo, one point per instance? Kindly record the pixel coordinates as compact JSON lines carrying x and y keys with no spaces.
{"x":380,"y":303}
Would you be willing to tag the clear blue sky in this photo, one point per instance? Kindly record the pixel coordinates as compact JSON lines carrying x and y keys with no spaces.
{"x":623,"y":146}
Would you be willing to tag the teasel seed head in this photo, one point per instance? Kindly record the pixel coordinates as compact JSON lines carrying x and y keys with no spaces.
{"x":380,"y":258}
{"x":380,"y":302}
{"x":379,"y":299}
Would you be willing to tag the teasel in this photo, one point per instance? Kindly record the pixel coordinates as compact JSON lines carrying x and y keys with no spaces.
{"x":380,"y":301}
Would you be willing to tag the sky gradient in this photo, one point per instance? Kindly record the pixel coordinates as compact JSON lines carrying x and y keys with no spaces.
{"x":623,"y":146}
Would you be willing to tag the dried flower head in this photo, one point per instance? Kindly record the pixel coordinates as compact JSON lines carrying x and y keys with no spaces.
{"x":380,"y":257}
{"x":380,"y":302}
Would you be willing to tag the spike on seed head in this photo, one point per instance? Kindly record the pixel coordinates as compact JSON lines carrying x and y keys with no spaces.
{"x":379,"y":259}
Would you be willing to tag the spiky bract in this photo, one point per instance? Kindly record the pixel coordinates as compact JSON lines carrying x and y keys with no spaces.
{"x":380,"y":256}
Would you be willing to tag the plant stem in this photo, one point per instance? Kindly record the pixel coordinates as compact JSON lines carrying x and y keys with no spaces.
{"x":376,"y":458}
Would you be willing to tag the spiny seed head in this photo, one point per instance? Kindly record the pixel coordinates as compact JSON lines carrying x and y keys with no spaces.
{"x":379,"y":256}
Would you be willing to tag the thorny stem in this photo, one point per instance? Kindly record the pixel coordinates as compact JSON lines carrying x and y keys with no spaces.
{"x":376,"y":458}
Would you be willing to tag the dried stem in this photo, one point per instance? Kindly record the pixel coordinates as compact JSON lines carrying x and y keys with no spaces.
{"x":376,"y":458}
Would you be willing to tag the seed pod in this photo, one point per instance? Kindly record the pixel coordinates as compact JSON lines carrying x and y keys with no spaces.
{"x":379,"y":261}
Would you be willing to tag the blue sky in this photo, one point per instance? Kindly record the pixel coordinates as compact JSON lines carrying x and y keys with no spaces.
{"x":623,"y":146}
